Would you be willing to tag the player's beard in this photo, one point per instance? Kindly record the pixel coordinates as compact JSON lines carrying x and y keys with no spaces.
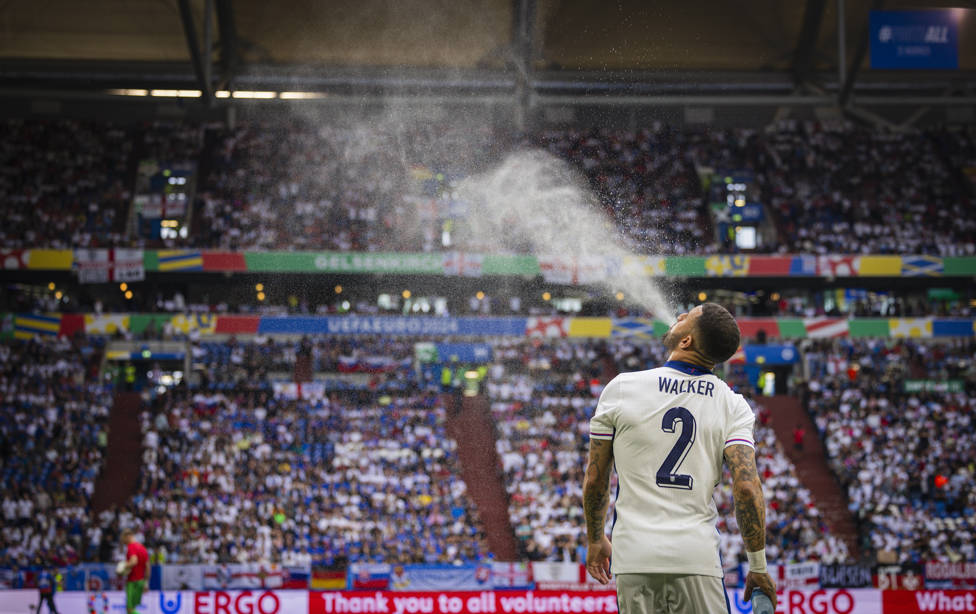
{"x":670,"y":340}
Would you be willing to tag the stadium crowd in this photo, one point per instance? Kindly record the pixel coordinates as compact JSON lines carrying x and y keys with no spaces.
{"x":905,"y":456}
{"x":328,"y":482}
{"x":842,"y":189}
{"x":293,"y":184}
{"x":233,"y":471}
{"x":63,"y":184}
{"x":53,"y":435}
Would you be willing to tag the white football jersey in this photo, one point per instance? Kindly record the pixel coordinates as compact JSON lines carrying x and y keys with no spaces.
{"x":670,"y":427}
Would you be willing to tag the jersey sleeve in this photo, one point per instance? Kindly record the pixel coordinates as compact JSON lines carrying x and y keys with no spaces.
{"x":603,"y":423}
{"x":741,"y":425}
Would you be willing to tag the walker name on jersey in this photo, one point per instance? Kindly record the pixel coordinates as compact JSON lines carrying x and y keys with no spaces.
{"x":681,"y":386}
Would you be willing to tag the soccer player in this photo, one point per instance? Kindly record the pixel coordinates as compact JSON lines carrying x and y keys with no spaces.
{"x":666,"y":430}
{"x":137,"y":568}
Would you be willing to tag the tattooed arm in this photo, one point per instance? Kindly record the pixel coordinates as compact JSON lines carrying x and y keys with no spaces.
{"x":596,"y":497}
{"x":750,"y":508}
{"x":750,"y":512}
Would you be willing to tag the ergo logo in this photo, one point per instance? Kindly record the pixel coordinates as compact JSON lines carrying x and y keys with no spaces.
{"x":800,"y":602}
{"x":246,"y":602}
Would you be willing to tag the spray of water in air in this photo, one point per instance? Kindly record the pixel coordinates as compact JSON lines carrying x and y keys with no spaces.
{"x":535,"y":203}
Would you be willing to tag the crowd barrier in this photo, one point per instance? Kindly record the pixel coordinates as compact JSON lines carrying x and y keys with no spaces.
{"x":822,"y":601}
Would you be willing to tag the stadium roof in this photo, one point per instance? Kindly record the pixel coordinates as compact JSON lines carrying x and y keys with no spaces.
{"x":528,"y":54}
{"x":751,"y":35}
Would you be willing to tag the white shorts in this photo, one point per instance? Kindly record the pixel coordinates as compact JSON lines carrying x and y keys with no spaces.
{"x":658,"y":593}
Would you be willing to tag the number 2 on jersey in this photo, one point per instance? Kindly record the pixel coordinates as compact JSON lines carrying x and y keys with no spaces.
{"x":666,"y":475}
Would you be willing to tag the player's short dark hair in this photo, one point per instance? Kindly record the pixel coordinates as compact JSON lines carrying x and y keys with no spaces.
{"x":718,"y":334}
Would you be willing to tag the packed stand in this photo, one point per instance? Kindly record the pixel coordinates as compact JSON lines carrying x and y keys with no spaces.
{"x":328,"y":482}
{"x":542,"y":396}
{"x":842,"y":189}
{"x":302,"y":185}
{"x":905,"y":456}
{"x":389,"y":184}
{"x":646,"y":182}
{"x":830,"y":187}
{"x":53,"y":434}
{"x":63,"y":184}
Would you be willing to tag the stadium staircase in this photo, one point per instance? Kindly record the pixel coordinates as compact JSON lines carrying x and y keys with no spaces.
{"x":472,"y":427}
{"x":811,"y":466}
{"x":119,"y":477}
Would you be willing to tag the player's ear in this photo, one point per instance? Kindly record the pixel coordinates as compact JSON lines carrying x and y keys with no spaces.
{"x":686,"y":342}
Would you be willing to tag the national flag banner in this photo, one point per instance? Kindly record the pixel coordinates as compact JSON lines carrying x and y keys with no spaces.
{"x":549,"y":574}
{"x":237,"y":325}
{"x":328,"y":579}
{"x":952,"y":328}
{"x":557,"y":270}
{"x":296,"y":577}
{"x":751,"y":327}
{"x":106,"y":324}
{"x":547,"y":327}
{"x":594,"y":328}
{"x":910,"y":327}
{"x":922,"y":266}
{"x":71,"y":323}
{"x":463,"y":264}
{"x":203,"y":323}
{"x":511,"y":575}
{"x":13,"y":259}
{"x":644,"y":266}
{"x":27,"y":326}
{"x":776,"y":266}
{"x":290,"y":391}
{"x":179,"y":260}
{"x":821,"y":328}
{"x":838,"y":266}
{"x":128,"y":265}
{"x":641,"y":328}
{"x":727,"y":266}
{"x":99,"y":266}
{"x":880,"y":266}
{"x":224,"y":261}
{"x":93,"y":266}
{"x":246,"y":575}
{"x":803,"y":266}
{"x":578,"y":270}
{"x":50,"y":259}
{"x":370,"y":576}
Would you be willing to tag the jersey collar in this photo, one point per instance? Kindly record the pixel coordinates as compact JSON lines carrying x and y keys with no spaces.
{"x":687,"y":367}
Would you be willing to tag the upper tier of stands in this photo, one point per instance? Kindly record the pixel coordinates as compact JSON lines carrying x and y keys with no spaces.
{"x":294,"y":184}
